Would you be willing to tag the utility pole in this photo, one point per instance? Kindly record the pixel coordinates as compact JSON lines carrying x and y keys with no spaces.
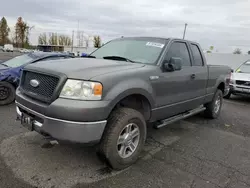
{"x":185,"y":30}
{"x":72,"y":41}
{"x":78,"y":34}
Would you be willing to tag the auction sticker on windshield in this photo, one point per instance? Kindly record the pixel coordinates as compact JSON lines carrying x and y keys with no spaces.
{"x":158,"y":45}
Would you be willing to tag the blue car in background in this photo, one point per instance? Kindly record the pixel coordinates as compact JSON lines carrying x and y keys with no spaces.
{"x":10,"y":72}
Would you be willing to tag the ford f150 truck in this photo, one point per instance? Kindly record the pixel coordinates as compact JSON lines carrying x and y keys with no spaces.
{"x":112,"y":95}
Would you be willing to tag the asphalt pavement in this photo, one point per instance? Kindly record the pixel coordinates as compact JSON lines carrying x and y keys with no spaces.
{"x":4,"y":56}
{"x":193,"y":153}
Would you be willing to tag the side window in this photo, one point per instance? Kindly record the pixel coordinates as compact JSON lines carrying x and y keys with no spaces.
{"x":179,"y":49}
{"x":198,"y":61}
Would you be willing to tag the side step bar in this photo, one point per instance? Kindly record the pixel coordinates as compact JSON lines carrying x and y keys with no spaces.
{"x":179,"y":117}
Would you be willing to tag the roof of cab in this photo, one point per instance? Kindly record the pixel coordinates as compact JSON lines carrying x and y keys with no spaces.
{"x":156,"y":38}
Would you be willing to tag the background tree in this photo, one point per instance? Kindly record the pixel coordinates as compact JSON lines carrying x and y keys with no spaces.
{"x":13,"y":37}
{"x":53,"y":39}
{"x":64,"y":40}
{"x":237,"y":51}
{"x":42,"y":39}
{"x":97,"y":41}
{"x":22,"y":30}
{"x":248,"y":52}
{"x":211,"y":48}
{"x":86,"y":40}
{"x":27,"y":42}
{"x":4,"y":32}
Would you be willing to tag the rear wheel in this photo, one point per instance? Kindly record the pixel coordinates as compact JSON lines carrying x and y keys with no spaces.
{"x":7,"y":93}
{"x":123,"y":139}
{"x":214,"y":107}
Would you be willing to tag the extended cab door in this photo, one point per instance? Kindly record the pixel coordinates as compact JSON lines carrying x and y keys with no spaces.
{"x":200,"y":75}
{"x":173,"y":90}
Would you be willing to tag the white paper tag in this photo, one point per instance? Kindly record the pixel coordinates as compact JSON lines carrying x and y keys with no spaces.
{"x":158,"y":45}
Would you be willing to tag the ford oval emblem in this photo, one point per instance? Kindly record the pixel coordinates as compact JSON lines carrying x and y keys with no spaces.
{"x":34,"y":83}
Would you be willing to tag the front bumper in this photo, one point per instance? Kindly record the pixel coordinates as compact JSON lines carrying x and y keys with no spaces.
{"x":239,"y":89}
{"x":64,"y":130}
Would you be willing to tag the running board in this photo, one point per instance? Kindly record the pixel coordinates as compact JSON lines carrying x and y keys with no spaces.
{"x":180,"y":117}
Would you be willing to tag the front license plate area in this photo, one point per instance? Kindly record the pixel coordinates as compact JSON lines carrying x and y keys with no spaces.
{"x":27,"y":121}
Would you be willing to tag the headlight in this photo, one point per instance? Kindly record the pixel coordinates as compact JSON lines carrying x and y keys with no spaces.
{"x":82,"y":90}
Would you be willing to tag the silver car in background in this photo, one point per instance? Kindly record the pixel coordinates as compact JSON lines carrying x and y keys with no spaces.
{"x":240,"y":81}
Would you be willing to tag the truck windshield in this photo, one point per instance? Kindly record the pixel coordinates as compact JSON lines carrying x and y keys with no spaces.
{"x":135,"y":50}
{"x":19,"y":60}
{"x":245,"y":68}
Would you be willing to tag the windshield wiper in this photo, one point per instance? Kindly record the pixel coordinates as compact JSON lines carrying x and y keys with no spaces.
{"x":119,"y":58}
{"x":89,"y":56}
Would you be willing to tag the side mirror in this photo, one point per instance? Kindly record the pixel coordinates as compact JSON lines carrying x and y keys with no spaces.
{"x":174,"y":64}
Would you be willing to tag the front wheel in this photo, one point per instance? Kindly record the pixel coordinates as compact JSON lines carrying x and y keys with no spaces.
{"x":214,"y":107}
{"x":123,"y":138}
{"x":7,"y":93}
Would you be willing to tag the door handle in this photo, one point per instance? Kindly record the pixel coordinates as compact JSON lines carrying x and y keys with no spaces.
{"x":193,"y":76}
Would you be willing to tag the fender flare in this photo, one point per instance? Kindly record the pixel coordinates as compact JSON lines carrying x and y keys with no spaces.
{"x":127,"y":88}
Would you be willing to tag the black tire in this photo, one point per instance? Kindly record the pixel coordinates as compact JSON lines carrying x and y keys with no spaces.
{"x":228,"y":95}
{"x":211,"y":111}
{"x":11,"y":93}
{"x":118,"y":120}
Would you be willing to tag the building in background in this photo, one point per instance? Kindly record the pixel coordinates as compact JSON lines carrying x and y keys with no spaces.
{"x":50,"y":48}
{"x":79,"y":50}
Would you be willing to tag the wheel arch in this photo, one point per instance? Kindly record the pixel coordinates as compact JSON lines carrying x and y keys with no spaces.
{"x":221,"y":86}
{"x":136,"y":99}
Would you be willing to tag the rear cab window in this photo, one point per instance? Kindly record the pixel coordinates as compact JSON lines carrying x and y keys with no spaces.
{"x":198,"y":60}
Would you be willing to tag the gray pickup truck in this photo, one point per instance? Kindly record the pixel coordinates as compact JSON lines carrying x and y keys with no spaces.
{"x":112,"y":95}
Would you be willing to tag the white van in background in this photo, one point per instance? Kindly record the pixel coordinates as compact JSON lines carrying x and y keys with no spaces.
{"x":8,"y":48}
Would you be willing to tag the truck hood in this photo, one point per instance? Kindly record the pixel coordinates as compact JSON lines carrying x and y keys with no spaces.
{"x":82,"y":68}
{"x":241,"y":76}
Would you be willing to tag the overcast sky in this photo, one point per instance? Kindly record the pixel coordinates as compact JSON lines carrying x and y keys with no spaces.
{"x":225,"y":24}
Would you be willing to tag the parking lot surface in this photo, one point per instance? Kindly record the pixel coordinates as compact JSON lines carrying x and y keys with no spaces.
{"x":8,"y":55}
{"x":193,"y":153}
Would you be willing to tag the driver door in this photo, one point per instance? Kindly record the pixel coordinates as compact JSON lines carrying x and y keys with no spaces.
{"x":172,"y":89}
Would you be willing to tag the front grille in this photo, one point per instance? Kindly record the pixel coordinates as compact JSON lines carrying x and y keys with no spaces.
{"x":44,"y":91}
{"x":241,"y":82}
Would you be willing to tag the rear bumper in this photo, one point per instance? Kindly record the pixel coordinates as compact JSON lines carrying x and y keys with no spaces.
{"x":72,"y":131}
